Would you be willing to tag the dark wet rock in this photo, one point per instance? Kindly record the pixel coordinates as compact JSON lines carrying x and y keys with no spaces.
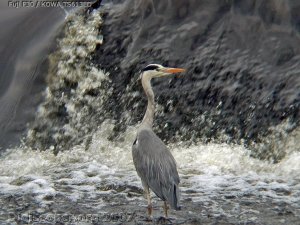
{"x":282,"y":191}
{"x":49,"y":197}
{"x":242,"y":79}
{"x":22,"y":180}
{"x":242,"y":61}
{"x":230,"y":196}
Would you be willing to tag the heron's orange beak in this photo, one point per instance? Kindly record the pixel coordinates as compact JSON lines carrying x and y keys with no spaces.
{"x":173,"y":70}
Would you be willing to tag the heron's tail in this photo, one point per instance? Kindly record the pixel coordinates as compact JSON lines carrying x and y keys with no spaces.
{"x":174,"y":197}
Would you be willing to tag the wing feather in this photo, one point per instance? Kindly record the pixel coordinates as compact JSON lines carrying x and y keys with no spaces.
{"x":156,"y":166}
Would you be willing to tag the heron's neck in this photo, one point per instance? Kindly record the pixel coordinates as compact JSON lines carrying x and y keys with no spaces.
{"x":149,"y":115}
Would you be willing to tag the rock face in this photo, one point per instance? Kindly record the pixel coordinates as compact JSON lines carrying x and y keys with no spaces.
{"x":242,"y":80}
{"x":242,"y":61}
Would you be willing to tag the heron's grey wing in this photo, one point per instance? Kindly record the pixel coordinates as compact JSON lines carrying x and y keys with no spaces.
{"x":156,"y":166}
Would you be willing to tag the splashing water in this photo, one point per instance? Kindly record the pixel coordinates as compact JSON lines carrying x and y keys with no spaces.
{"x":207,"y":171}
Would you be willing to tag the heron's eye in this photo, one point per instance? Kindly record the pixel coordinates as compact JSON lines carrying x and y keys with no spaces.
{"x":150,"y":67}
{"x":135,"y":142}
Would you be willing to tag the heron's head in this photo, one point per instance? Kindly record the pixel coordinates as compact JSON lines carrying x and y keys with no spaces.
{"x":156,"y":70}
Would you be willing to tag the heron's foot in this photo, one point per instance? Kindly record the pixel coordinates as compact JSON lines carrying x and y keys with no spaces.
{"x":149,"y":218}
{"x":164,"y":220}
{"x":149,"y":209}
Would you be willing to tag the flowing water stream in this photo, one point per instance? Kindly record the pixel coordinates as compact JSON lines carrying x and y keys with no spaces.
{"x":220,"y":183}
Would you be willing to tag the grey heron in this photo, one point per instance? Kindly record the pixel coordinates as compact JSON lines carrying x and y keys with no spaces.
{"x":153,"y":161}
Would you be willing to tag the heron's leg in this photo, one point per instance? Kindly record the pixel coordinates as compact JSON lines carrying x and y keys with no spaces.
{"x":149,"y":202}
{"x":147,"y":192}
{"x":165,"y":209}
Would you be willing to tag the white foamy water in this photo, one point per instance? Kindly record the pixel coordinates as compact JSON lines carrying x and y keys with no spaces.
{"x":204,"y":168}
